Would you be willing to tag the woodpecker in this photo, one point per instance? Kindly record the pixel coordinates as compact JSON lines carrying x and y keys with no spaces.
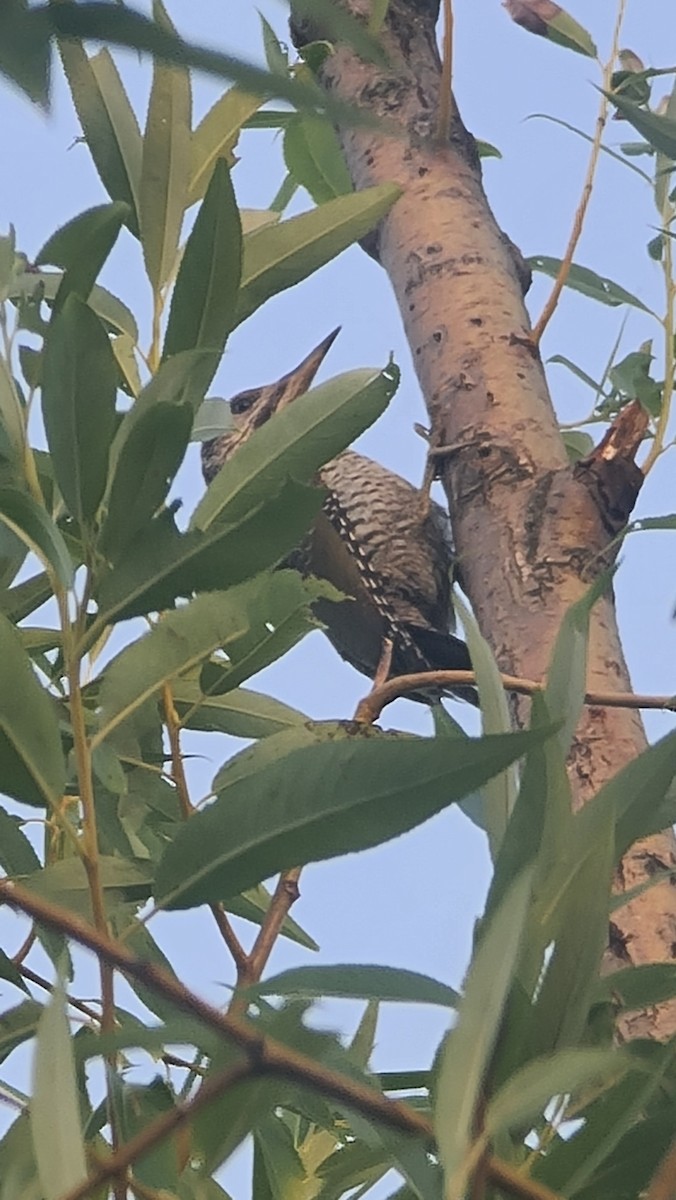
{"x":375,"y":540}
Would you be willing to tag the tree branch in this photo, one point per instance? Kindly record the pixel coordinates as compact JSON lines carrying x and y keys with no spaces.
{"x":369,"y":709}
{"x":265,"y":1056}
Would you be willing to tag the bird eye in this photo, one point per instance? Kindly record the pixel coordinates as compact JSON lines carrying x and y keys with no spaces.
{"x":242,"y":403}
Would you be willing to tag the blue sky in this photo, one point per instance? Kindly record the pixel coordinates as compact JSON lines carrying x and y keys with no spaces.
{"x":413,"y":902}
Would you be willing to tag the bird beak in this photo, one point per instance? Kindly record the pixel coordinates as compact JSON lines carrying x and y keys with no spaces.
{"x":298,"y":381}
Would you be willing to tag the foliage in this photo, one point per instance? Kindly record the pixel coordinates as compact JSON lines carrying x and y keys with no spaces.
{"x":93,"y":744}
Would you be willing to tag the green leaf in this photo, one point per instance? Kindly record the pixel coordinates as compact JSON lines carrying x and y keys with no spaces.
{"x":166,"y":164}
{"x":125,"y":357}
{"x":250,"y":761}
{"x":611,"y":1121}
{"x":216,"y":137}
{"x":659,"y":131}
{"x":540,"y":821}
{"x":582,"y":279}
{"x":17,"y":856}
{"x":278,"y":256}
{"x":213,"y":419}
{"x":55,"y":1110}
{"x":279,"y":1156}
{"x":147,"y":464}
{"x":79,"y":419}
{"x":638,"y":987}
{"x":113,"y":313}
{"x":578,"y":444}
{"x":296,"y":442}
{"x":289,"y":620}
{"x":17,"y":1025}
{"x":320,"y":802}
{"x":567,"y":673}
{"x":567,"y":32}
{"x":204,"y":301}
{"x":32,"y":523}
{"x":499,"y":794}
{"x":467,"y":1051}
{"x":65,"y":883}
{"x":521,"y":1102}
{"x":11,"y":413}
{"x":186,"y":637}
{"x":81,"y":247}
{"x":314,"y":157}
{"x":242,"y":713}
{"x":174,"y":383}
{"x":253,"y":905}
{"x":640,"y":797}
{"x":571,"y":909}
{"x":108,"y":123}
{"x":140,"y":1105}
{"x":19,"y":602}
{"x":11,"y":973}
{"x":275,"y":56}
{"x":31,"y":761}
{"x":360,"y":982}
{"x":162,"y":563}
{"x":25,"y":51}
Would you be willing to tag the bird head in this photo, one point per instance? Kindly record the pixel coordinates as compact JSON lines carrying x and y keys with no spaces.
{"x":252,"y":408}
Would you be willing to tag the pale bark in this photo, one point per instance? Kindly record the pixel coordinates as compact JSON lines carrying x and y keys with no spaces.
{"x":529,"y":531}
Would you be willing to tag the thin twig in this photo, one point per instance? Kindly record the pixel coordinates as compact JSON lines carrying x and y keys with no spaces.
{"x":173,"y":724}
{"x":26,"y":948}
{"x":370,"y":708}
{"x":286,"y":893}
{"x":39,"y":981}
{"x":581,"y":210}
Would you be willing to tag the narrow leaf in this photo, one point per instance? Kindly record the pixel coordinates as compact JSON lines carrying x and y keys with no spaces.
{"x":108,"y":122}
{"x":11,"y":414}
{"x":659,"y":131}
{"x":216,"y":137}
{"x":321,"y":802}
{"x":79,"y":418}
{"x":278,"y":256}
{"x":55,"y":1111}
{"x":242,"y":713}
{"x":567,"y":674}
{"x":113,"y":313}
{"x":314,"y":157}
{"x":165,"y":169}
{"x":32,"y":523}
{"x":82,"y":246}
{"x":205,"y":296}
{"x":523,"y":1100}
{"x":163,"y":564}
{"x":186,"y":637}
{"x":148,"y":461}
{"x":31,"y":761}
{"x":360,"y":982}
{"x":587,"y":282}
{"x":468,"y":1048}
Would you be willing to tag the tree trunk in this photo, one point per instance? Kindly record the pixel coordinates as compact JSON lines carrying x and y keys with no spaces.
{"x":531,"y":532}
